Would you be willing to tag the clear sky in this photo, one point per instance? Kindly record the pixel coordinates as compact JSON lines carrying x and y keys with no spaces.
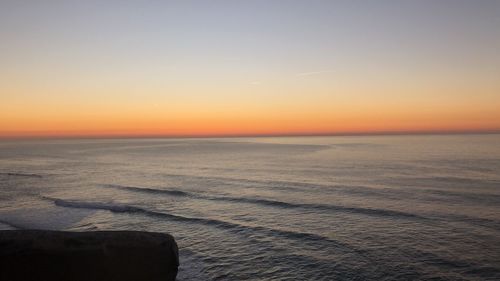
{"x":190,"y":68}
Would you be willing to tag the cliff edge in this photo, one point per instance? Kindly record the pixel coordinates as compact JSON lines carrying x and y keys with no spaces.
{"x":87,"y":256}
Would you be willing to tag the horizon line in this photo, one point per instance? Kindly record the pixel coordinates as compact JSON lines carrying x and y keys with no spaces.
{"x":249,"y":135}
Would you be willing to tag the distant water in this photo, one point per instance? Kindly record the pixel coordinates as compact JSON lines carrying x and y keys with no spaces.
{"x":312,"y":208}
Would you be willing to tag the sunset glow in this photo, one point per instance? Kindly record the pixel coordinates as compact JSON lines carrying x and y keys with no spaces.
{"x":229,"y":68}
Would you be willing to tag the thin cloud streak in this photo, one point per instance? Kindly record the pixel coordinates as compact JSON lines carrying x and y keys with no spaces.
{"x":303,"y":74}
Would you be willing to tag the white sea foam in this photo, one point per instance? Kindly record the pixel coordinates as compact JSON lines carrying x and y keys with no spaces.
{"x":50,"y":218}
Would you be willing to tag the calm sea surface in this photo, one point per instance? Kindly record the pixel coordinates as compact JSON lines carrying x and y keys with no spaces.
{"x":311,"y":208}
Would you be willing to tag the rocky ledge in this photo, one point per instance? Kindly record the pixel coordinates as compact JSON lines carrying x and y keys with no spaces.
{"x":87,"y":256}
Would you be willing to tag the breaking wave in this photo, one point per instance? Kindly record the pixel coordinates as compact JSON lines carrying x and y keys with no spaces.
{"x":124,"y":208}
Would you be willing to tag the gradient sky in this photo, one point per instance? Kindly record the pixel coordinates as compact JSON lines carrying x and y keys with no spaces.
{"x":186,"y":68}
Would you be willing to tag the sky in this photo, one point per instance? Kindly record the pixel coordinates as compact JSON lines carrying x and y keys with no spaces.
{"x":236,"y":68}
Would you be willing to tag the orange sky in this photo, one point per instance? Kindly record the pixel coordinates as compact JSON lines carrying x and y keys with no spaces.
{"x":90,"y":70}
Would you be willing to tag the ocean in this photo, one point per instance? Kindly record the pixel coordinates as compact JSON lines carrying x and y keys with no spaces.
{"x":421,"y":207}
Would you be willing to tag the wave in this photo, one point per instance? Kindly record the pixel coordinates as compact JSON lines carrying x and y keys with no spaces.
{"x":375,"y":189}
{"x":151,"y":190}
{"x":275,"y":203}
{"x":22,"y":175}
{"x":489,"y":223}
{"x":275,"y":184}
{"x":324,"y":207}
{"x":124,"y":208}
{"x":118,"y":208}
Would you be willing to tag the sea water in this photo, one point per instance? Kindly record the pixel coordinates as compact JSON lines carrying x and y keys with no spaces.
{"x":292,"y":208}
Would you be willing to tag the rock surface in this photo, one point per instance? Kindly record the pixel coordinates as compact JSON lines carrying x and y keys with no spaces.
{"x":87,"y":256}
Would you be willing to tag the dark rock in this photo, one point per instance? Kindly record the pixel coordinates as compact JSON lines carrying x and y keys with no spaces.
{"x":87,"y":256}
